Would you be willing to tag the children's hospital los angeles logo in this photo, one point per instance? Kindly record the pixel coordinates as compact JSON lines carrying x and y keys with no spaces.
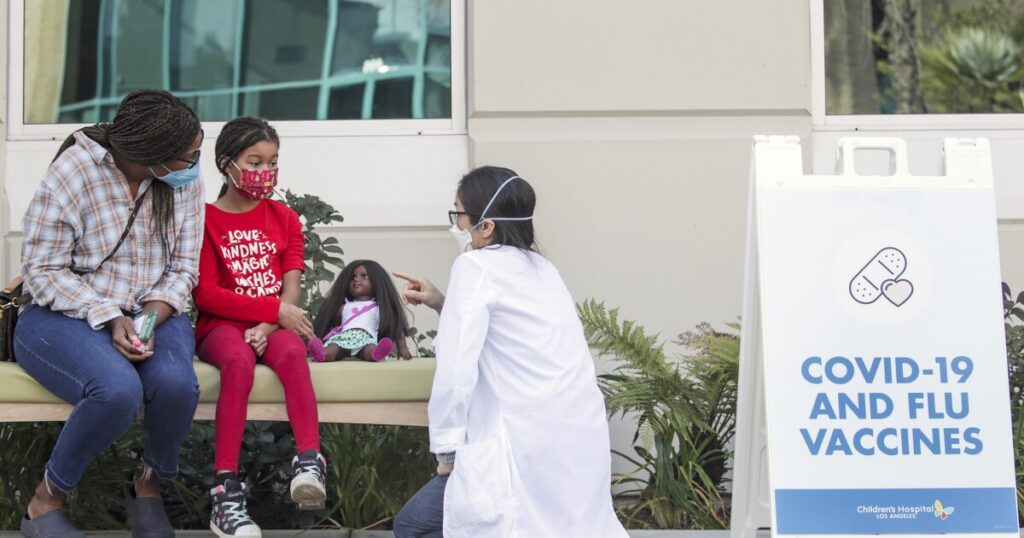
{"x":942,"y":512}
{"x":906,"y":511}
{"x":880,"y":278}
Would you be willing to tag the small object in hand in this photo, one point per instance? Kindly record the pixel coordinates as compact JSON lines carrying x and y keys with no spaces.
{"x":138,"y":345}
{"x":316,"y":349}
{"x":144,"y":326}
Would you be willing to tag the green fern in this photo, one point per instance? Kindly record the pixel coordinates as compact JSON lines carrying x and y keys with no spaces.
{"x":685,"y":409}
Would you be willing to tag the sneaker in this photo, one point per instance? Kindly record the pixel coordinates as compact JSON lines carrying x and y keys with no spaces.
{"x":307,"y":486}
{"x":229,"y":516}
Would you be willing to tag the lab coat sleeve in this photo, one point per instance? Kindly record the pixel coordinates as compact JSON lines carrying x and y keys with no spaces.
{"x":460,"y":340}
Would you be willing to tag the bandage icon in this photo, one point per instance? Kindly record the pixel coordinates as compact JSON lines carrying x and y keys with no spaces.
{"x":880,"y":277}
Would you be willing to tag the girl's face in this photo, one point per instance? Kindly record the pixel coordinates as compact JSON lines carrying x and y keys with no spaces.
{"x":259,"y":156}
{"x":360,"y":287}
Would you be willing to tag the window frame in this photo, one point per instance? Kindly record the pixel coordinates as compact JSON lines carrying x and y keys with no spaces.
{"x":822,"y":121}
{"x":18,"y":130}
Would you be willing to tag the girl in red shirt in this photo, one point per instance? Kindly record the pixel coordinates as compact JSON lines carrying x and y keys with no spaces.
{"x":250,"y":270}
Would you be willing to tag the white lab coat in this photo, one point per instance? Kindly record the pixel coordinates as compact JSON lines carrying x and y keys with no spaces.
{"x":515,"y":396}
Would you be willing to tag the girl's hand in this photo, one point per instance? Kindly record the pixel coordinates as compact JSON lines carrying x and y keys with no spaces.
{"x":268,"y":328}
{"x":257,"y":339}
{"x":444,"y":469}
{"x":418,"y":290}
{"x":294,"y":318}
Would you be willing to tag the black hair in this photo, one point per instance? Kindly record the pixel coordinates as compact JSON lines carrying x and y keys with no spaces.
{"x":516,"y":200}
{"x":393,"y":323}
{"x":237,"y":135}
{"x":150,"y":127}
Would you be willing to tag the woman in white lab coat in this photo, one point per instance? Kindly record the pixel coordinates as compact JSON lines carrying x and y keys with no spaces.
{"x":516,"y":417}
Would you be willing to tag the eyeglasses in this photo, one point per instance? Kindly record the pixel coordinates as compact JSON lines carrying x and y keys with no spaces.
{"x":195,"y":156}
{"x":454,"y":215}
{"x":193,"y":161}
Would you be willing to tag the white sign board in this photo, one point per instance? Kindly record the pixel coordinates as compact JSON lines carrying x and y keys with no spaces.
{"x":881,"y":334}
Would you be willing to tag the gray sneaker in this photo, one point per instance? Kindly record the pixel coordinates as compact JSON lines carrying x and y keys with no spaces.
{"x":307,"y":487}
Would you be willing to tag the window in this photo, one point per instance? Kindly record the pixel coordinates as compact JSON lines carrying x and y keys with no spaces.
{"x":913,"y":57}
{"x":279,"y":59}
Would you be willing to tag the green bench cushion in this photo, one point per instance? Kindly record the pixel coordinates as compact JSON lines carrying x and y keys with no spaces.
{"x":334,"y":382}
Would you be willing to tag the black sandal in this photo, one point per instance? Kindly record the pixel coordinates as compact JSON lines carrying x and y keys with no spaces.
{"x":146,"y":514}
{"x":148,"y":518}
{"x":52,"y":524}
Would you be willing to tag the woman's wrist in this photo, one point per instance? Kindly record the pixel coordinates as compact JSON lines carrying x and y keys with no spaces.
{"x":447,"y":458}
{"x":438,"y":303}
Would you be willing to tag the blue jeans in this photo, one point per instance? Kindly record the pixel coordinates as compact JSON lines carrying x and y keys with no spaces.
{"x":82,"y":367}
{"x":421,"y":517}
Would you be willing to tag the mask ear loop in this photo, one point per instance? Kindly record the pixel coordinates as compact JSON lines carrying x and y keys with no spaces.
{"x":229,"y":178}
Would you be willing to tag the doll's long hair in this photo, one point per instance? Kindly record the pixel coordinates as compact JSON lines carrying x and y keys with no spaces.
{"x":393,"y":323}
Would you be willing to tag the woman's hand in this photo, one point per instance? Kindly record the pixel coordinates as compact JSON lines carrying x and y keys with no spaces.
{"x":294,"y":318}
{"x":444,"y":469}
{"x":123,"y":338}
{"x":418,"y":290}
{"x":257,"y":339}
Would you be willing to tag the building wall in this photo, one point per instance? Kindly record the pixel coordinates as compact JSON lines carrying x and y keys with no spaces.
{"x":633,"y":121}
{"x":6,"y":247}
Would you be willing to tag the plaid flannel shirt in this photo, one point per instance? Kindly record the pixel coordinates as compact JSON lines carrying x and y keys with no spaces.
{"x":78,"y":213}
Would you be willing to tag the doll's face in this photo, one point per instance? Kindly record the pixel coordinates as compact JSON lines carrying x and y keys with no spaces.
{"x":360,"y":287}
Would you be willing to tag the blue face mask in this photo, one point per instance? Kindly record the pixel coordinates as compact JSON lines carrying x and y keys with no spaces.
{"x":177,"y":178}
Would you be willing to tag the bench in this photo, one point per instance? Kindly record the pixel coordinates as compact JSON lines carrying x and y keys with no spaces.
{"x":353,"y":392}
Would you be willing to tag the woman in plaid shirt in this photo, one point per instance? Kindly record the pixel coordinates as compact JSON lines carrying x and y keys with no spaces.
{"x":114,"y":232}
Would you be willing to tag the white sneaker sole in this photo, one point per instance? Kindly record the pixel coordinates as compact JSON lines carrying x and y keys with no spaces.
{"x":308,"y":493}
{"x":218,"y":532}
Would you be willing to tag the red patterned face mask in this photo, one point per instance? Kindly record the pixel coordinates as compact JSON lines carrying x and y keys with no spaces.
{"x":255,"y":184}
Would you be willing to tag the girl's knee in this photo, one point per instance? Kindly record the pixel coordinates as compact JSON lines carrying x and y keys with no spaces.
{"x":287,"y":339}
{"x":285,"y":350}
{"x":236,"y":370}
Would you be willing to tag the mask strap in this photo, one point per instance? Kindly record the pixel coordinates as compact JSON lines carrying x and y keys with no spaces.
{"x":152,"y":173}
{"x":495,"y":197}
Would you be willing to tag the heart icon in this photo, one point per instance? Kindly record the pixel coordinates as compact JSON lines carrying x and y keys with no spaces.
{"x":897,"y":291}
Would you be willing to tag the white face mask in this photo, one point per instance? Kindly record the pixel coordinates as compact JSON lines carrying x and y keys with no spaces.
{"x":464,"y":238}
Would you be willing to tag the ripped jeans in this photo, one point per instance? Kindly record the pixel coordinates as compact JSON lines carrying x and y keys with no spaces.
{"x":80,"y":366}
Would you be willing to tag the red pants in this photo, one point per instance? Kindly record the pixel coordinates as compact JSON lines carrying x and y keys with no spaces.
{"x":225,"y":348}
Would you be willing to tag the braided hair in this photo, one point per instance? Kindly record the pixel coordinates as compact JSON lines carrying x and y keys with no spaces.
{"x":150,"y":127}
{"x":237,"y":135}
